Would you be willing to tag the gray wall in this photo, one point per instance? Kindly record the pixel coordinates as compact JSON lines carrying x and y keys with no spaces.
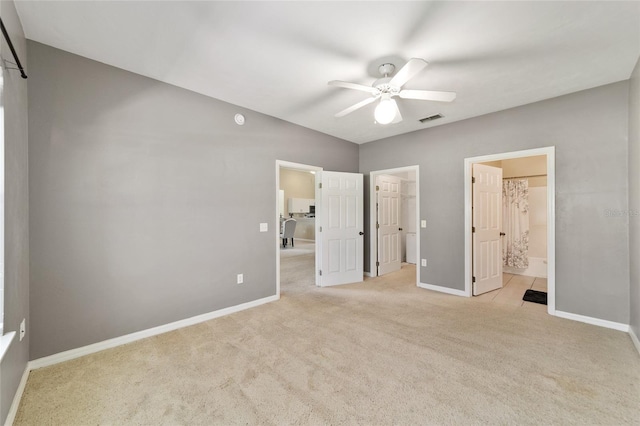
{"x":634,"y":198}
{"x":589,"y":131}
{"x":146,"y":200}
{"x":16,"y":267}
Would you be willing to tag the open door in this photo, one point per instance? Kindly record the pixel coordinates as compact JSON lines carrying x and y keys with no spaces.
{"x":389,"y":230}
{"x":339,"y":221}
{"x":486,"y":227}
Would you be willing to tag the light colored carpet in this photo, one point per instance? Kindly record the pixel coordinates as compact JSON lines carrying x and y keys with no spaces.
{"x":378,"y":352}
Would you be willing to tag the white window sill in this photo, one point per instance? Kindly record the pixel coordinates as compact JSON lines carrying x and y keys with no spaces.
{"x":5,"y":342}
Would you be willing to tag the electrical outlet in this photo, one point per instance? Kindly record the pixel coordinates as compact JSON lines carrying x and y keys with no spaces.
{"x":23,"y":329}
{"x":240,"y":278}
{"x":264,"y":227}
{"x":423,"y":223}
{"x":424,"y":262}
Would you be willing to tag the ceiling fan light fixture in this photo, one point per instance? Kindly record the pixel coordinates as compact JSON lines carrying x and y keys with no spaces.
{"x":386,"y":110}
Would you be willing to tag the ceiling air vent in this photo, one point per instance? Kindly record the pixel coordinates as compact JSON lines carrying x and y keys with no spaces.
{"x":431,"y":118}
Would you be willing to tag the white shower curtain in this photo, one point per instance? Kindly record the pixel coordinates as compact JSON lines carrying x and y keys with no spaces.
{"x":515,"y":223}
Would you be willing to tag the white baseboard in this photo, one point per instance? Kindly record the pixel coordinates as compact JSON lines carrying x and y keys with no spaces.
{"x":443,"y":289}
{"x":634,"y":339}
{"x":594,"y":321}
{"x":367,"y":274}
{"x":128,"y":338}
{"x":13,"y":410}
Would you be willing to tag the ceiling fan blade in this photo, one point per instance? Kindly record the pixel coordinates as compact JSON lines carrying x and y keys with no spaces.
{"x":406,"y":73}
{"x":427,"y":95}
{"x":354,"y":86}
{"x":355,"y":107}
{"x":398,"y":117}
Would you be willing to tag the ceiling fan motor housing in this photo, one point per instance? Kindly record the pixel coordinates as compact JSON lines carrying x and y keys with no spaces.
{"x":382,"y":84}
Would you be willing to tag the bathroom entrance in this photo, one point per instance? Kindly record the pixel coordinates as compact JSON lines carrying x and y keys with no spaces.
{"x":511,"y":195}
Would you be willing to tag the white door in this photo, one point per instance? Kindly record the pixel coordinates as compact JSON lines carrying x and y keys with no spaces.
{"x":339,"y":226}
{"x":389,"y":230}
{"x":487,"y":223}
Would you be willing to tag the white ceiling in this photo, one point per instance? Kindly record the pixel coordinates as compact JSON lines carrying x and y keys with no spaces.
{"x":277,"y":57}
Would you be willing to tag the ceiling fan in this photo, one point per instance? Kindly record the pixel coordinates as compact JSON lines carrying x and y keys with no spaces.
{"x":386,"y":88}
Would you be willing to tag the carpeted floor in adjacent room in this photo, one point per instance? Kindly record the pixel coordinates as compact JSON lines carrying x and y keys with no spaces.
{"x":378,"y":352}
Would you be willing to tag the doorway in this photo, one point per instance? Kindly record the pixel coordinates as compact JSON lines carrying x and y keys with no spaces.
{"x":332,"y":214}
{"x":394,"y":208}
{"x":517,"y":167}
{"x":298,"y":258}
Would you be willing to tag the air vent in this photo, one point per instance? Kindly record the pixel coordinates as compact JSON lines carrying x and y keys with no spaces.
{"x":431,"y":118}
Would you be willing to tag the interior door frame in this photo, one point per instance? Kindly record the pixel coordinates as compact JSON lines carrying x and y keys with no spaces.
{"x":550,"y":152}
{"x":373,"y":244}
{"x":302,"y":167}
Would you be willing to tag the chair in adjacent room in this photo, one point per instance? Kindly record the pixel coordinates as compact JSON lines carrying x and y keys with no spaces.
{"x":288,"y":229}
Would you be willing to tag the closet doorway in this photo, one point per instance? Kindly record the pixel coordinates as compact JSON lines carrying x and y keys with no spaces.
{"x":512,"y":196}
{"x":394,"y":218}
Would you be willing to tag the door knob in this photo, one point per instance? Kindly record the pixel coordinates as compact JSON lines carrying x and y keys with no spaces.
{"x":361,"y":233}
{"x":399,"y":229}
{"x":502,"y":234}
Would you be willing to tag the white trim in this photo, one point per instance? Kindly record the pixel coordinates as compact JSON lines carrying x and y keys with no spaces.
{"x":367,"y":274}
{"x":15,"y":404}
{"x":551,"y":230}
{"x":296,"y":166}
{"x":128,"y":338}
{"x":5,"y":342}
{"x":594,"y":321}
{"x":441,"y":289}
{"x":634,"y":339}
{"x":373,"y":247}
{"x":551,"y":217}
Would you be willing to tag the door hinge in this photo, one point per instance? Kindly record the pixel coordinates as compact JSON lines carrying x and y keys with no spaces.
{"x":473,"y":279}
{"x":377,"y":263}
{"x":377,"y":226}
{"x":320,"y":272}
{"x":377,"y":188}
{"x":319,"y":185}
{"x":473,"y":229}
{"x":320,"y":229}
{"x":473,"y":180}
